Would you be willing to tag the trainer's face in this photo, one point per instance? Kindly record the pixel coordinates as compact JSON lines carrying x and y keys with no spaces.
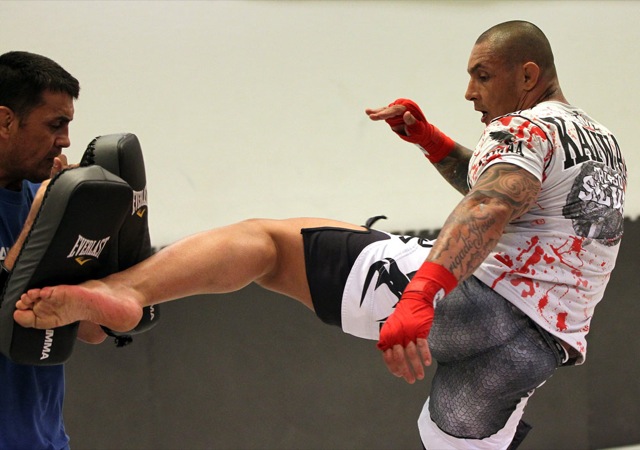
{"x":32,"y":142}
{"x":494,"y":87}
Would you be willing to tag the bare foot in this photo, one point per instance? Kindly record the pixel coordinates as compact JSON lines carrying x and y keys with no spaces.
{"x":93,"y":301}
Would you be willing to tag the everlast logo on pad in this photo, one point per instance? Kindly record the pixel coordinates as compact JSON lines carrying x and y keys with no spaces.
{"x":84,"y":249}
{"x":48,"y":342}
{"x":139,"y":202}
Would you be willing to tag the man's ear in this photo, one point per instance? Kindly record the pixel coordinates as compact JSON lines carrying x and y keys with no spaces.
{"x":7,"y":117}
{"x":531,"y":72}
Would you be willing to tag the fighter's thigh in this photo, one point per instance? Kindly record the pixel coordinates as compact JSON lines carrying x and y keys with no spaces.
{"x":490,"y":356}
{"x":288,"y":272}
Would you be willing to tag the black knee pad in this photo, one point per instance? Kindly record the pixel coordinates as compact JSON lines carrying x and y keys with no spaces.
{"x":121,"y":155}
{"x":74,"y":238}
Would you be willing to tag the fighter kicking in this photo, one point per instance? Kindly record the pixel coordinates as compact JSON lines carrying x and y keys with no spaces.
{"x":506,"y":293}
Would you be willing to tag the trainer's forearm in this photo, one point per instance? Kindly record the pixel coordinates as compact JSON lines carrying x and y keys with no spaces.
{"x":14,"y":251}
{"x":455,"y":168}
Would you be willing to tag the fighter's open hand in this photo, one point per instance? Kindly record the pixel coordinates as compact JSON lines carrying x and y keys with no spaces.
{"x":403,"y":338}
{"x":396,"y":115}
{"x":407,"y":120}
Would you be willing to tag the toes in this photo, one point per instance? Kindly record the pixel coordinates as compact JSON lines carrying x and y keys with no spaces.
{"x":25,"y":318}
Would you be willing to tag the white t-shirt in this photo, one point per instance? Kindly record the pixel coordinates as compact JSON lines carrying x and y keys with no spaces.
{"x":554,"y":262}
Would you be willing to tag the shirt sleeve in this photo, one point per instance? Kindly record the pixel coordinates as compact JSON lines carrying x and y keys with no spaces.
{"x":511,"y":139}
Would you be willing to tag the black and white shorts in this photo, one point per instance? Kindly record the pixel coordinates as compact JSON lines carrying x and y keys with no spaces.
{"x":357,"y":277}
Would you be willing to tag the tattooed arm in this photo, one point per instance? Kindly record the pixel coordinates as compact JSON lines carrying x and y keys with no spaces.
{"x":455,"y":167}
{"x":503,"y":193}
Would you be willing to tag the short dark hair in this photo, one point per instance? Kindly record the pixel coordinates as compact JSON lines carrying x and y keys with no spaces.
{"x":519,"y":41}
{"x":25,"y":76}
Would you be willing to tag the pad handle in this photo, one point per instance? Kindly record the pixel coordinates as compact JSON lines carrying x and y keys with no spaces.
{"x":121,"y":154}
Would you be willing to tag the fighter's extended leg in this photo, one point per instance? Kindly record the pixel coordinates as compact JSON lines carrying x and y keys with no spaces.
{"x":268,"y":252}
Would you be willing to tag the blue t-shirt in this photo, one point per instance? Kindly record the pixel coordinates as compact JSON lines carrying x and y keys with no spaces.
{"x":30,"y":396}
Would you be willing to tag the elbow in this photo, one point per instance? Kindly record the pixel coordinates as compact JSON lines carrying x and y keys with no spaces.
{"x":491,"y":210}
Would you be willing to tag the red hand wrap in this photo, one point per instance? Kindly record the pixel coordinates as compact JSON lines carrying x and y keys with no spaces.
{"x":433,"y":143}
{"x":413,"y":315}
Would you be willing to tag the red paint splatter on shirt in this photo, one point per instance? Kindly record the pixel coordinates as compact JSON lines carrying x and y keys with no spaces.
{"x":573,"y":245}
{"x":526,"y":131}
{"x":505,"y":259}
{"x":561,"y":324}
{"x":543,"y":302}
{"x":528,"y":283}
{"x":534,"y":254}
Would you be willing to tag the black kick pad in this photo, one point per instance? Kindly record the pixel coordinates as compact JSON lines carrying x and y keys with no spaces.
{"x":74,"y":238}
{"x":121,"y":155}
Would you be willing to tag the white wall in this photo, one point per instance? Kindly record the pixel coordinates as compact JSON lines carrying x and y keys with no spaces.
{"x":250,"y":108}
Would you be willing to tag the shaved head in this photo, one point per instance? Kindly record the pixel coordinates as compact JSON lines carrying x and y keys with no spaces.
{"x":511,"y":68}
{"x":517,"y":42}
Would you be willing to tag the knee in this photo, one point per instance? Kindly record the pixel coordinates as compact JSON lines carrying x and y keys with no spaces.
{"x":259,"y":241}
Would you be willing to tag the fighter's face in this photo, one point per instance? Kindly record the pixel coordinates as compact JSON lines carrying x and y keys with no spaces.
{"x":36,"y":139}
{"x":495,"y":87}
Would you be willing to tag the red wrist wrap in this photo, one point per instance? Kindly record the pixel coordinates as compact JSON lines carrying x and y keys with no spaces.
{"x":414,"y":312}
{"x":431,"y":274}
{"x":433,"y":143}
